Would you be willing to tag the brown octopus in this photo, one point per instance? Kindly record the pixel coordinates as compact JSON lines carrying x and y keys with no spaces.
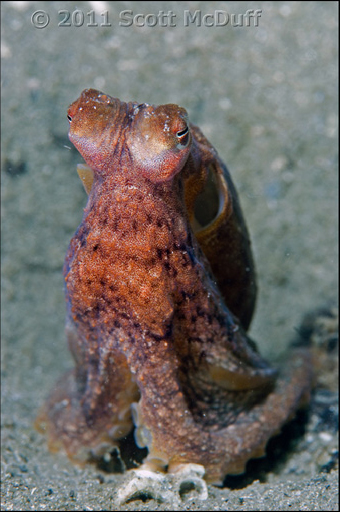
{"x":160,"y":289}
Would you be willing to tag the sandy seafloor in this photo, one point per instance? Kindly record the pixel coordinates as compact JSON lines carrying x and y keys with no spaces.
{"x":266,"y":97}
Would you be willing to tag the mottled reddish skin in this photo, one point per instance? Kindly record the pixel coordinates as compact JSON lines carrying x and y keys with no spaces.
{"x":146,"y":320}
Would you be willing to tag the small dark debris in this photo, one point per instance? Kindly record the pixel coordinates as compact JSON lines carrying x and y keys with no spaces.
{"x":331,"y":464}
{"x":15,"y":169}
{"x":310,"y":326}
{"x":332,"y":342}
{"x":325,"y":406}
{"x":23,"y":457}
{"x":101,"y":479}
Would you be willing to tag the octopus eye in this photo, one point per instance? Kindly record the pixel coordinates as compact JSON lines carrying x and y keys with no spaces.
{"x":69,"y":118}
{"x":183,"y":138}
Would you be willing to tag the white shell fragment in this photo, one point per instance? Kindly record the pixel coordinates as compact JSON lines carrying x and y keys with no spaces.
{"x":186,"y":483}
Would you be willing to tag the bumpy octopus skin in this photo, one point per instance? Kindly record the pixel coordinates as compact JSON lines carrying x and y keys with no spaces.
{"x":159,"y":298}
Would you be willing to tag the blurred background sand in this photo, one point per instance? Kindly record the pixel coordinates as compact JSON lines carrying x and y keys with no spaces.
{"x":265,"y":96}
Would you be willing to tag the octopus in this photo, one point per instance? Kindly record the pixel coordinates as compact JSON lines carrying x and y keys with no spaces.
{"x":160,"y":290}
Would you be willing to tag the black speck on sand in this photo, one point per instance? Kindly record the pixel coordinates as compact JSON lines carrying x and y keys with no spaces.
{"x":266,"y":97}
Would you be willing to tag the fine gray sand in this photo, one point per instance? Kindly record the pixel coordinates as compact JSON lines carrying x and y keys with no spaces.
{"x":266,"y":97}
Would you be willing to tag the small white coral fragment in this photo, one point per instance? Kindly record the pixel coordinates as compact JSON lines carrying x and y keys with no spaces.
{"x":190,"y":482}
{"x":184,"y":483}
{"x":143,"y":485}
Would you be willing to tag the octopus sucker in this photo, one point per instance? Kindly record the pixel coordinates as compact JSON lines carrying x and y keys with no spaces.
{"x":160,"y":288}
